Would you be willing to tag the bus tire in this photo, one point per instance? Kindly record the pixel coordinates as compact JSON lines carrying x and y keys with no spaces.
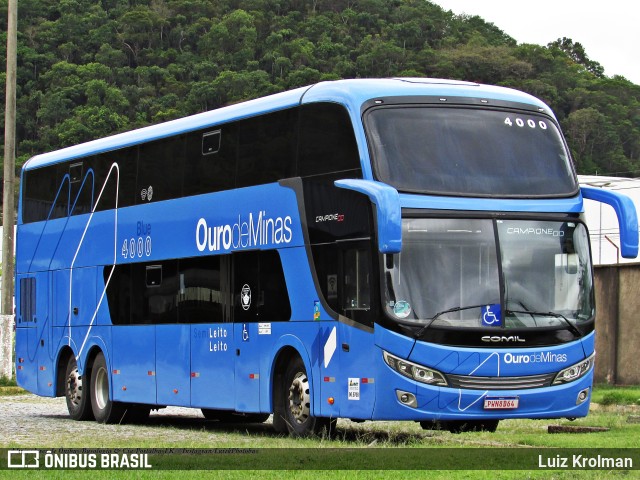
{"x":105,"y":410}
{"x":295,"y":410}
{"x":76,"y":391}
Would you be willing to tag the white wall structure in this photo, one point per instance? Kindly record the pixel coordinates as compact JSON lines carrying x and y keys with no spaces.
{"x":6,"y":337}
{"x":602,"y":221}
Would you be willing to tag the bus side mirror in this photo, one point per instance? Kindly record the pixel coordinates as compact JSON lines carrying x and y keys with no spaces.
{"x":626,"y":213}
{"x":388,"y":213}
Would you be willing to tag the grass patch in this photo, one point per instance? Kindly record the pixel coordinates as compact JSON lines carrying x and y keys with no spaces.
{"x":612,"y":395}
{"x":384,"y":438}
{"x":8,"y":386}
{"x":8,"y":391}
{"x":8,"y":382}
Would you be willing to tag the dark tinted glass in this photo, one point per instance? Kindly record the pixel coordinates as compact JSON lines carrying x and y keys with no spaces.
{"x":119,"y":295}
{"x":344,"y":272}
{"x":160,"y":170}
{"x":81,"y":188}
{"x":266,"y":148}
{"x":27,"y":300}
{"x":159,"y":301}
{"x":259,"y":288}
{"x":110,"y":180}
{"x":210,"y":161}
{"x":469,"y":151}
{"x":327,"y":141}
{"x":39,"y":192}
{"x":200,"y":295}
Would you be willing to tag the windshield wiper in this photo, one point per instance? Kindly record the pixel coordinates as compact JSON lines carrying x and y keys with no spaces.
{"x":451,"y":310}
{"x":571,"y":326}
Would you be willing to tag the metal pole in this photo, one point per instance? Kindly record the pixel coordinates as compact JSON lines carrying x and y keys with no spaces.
{"x":8,"y":202}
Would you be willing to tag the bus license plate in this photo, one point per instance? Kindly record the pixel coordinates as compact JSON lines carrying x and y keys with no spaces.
{"x":500,"y":403}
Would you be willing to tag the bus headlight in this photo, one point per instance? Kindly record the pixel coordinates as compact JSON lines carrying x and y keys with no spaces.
{"x":414,"y":371}
{"x":575,"y":371}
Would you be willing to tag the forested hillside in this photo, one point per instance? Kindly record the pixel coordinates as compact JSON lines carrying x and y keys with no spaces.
{"x":90,"y":68}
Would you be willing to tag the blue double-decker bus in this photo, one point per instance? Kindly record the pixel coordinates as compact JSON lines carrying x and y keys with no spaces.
{"x":400,"y":249}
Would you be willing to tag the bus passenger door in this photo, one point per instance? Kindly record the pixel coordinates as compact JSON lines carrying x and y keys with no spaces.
{"x":247,"y":299}
{"x":173,"y":339}
{"x":205,"y":304}
{"x":133,"y":347}
{"x":212,"y":360}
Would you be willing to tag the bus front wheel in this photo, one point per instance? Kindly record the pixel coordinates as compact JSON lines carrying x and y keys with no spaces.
{"x":295,"y":409}
{"x":105,"y":410}
{"x":76,"y":391}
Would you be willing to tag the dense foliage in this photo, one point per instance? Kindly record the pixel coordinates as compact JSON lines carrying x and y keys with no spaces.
{"x":90,"y":68}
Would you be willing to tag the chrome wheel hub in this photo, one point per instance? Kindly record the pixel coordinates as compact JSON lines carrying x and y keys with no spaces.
{"x":299,"y":400}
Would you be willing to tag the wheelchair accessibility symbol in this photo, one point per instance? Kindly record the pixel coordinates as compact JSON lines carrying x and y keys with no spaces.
{"x":245,"y":333}
{"x":491,"y":316}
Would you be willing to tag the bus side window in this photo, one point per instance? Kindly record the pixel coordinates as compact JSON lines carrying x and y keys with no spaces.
{"x":246,"y":287}
{"x":161,"y":290}
{"x":160,"y":170}
{"x":40,"y":188}
{"x":27,"y":299}
{"x":357,"y":291}
{"x":119,"y":297}
{"x":81,"y":179}
{"x":210,"y":160}
{"x":344,"y":275}
{"x":110,"y":180}
{"x":327,"y":141}
{"x":259,"y":287}
{"x":266,"y":148}
{"x":201,"y":297}
{"x":275,"y":305}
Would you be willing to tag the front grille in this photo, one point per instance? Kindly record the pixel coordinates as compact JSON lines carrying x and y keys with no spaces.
{"x":500,"y":383}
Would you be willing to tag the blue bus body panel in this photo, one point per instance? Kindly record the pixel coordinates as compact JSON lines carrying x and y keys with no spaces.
{"x":498,"y":362}
{"x":448,"y":403}
{"x":173,"y":364}
{"x":264,"y":217}
{"x":133,"y":364}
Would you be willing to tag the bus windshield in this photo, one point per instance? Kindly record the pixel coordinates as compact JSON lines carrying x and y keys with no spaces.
{"x":469,"y":152}
{"x":448,"y":274}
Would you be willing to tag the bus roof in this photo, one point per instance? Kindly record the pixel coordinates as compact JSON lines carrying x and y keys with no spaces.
{"x":352,"y":93}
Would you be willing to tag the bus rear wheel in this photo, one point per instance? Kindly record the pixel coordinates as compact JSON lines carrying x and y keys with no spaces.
{"x":76,"y":391}
{"x":105,"y":410}
{"x":295,"y":409}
